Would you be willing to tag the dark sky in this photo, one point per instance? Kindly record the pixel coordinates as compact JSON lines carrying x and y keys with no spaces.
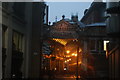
{"x":66,"y":8}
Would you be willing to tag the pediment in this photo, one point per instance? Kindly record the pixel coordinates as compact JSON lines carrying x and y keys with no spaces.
{"x":63,"y":29}
{"x":62,"y":24}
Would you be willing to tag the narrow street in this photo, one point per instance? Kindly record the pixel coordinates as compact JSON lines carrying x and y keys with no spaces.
{"x":60,"y":40}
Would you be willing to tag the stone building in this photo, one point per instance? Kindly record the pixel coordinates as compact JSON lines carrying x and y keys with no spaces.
{"x":95,"y":63}
{"x":22,"y":24}
{"x":62,"y":39}
{"x":113,"y":31}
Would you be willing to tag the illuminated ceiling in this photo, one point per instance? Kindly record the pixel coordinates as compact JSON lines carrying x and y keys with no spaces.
{"x":62,"y":41}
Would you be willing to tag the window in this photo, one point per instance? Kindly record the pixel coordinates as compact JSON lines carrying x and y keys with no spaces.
{"x":4,"y":39}
{"x":17,"y":41}
{"x":92,"y":44}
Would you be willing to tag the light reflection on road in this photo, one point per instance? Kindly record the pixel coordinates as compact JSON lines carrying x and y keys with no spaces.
{"x":67,"y":77}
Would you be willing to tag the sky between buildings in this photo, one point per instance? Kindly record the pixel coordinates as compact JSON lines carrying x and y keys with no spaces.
{"x":57,"y":9}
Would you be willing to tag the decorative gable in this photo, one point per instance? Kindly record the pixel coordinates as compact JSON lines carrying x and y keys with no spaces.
{"x":63,"y":29}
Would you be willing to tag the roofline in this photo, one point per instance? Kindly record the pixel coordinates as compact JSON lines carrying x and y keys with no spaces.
{"x":90,"y":25}
{"x":93,"y":6}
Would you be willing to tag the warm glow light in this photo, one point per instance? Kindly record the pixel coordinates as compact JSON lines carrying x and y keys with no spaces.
{"x":75,"y":54}
{"x":80,"y":50}
{"x":105,"y":44}
{"x":55,"y":68}
{"x":62,"y":41}
{"x":75,"y":63}
{"x":67,"y":51}
{"x":65,"y":68}
{"x":61,"y":58}
{"x":68,"y":60}
{"x":67,"y":56}
{"x":75,"y":76}
{"x":58,"y":49}
{"x":105,"y":47}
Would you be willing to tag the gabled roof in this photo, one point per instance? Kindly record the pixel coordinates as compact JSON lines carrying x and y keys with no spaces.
{"x":64,"y":29}
{"x":61,"y":22}
{"x":96,"y":24}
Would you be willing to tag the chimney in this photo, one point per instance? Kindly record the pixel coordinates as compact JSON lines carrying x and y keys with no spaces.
{"x":74,"y":18}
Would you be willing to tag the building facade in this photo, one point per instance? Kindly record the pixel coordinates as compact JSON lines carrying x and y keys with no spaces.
{"x":22,"y":23}
{"x":94,"y":38}
{"x":60,"y":51}
{"x":113,"y":31}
